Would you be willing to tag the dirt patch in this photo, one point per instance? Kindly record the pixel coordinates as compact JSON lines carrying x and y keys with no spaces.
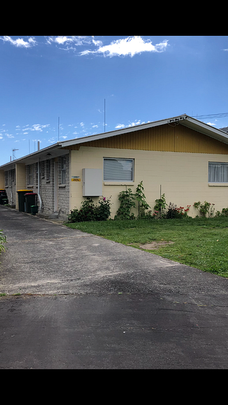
{"x":155,"y":245}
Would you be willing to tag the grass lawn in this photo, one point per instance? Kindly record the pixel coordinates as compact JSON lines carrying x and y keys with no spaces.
{"x":198,"y":242}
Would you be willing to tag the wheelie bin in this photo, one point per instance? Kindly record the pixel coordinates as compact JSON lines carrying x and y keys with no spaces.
{"x":3,"y":197}
{"x":30,"y":199}
{"x":21,"y":199}
{"x":34,"y":209}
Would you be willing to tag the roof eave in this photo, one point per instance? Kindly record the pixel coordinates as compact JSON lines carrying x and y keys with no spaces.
{"x":205,"y":129}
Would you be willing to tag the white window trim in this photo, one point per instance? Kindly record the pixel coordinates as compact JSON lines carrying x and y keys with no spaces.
{"x":216,"y":183}
{"x":119,"y":182}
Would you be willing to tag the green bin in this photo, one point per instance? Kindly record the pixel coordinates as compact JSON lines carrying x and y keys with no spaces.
{"x":30,"y":199}
{"x":21,"y":199}
{"x":34,"y":209}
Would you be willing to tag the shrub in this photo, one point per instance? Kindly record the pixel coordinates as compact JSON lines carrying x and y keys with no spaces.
{"x":90,"y":212}
{"x":141,"y":198}
{"x":160,"y":205}
{"x":127,"y":202}
{"x":175,"y":212}
{"x":225,"y":212}
{"x":205,"y":208}
{"x":102,"y":212}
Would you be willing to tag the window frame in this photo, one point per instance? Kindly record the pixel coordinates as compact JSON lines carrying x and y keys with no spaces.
{"x":63,"y":163}
{"x":119,"y":181}
{"x":48,"y":170}
{"x":220,"y":181}
{"x":30,"y":179}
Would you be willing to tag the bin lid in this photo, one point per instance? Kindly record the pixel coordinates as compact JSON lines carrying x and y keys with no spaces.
{"x":23,"y":190}
{"x":30,"y":194}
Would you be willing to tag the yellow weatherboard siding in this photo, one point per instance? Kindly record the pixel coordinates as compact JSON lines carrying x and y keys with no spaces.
{"x":169,"y":138}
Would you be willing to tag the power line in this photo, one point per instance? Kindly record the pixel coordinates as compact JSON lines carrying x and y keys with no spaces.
{"x":219,"y":115}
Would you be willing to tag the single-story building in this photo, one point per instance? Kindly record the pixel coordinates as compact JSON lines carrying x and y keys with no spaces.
{"x":182,"y":157}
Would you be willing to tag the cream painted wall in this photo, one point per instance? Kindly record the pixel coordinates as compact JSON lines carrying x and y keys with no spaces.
{"x":183,"y":176}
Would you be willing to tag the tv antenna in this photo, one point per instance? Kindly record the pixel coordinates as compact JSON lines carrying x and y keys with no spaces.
{"x":13,"y":150}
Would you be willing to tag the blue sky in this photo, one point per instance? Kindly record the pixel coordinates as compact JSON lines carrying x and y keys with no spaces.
{"x":142,"y":79}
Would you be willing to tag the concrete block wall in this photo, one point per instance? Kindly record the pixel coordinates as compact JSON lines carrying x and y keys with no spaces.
{"x":47,"y":187}
{"x":11,"y":187}
{"x":63,"y":189}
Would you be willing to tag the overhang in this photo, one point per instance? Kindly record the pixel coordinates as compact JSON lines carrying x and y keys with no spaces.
{"x":59,"y":148}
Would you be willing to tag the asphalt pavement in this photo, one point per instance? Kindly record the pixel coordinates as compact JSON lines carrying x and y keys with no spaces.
{"x":75,"y":300}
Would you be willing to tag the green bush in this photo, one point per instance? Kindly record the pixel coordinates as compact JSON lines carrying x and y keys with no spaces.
{"x":90,"y":212}
{"x":141,"y":198}
{"x":160,"y":206}
{"x":225,"y":212}
{"x":127,"y":201}
{"x":205,"y":208}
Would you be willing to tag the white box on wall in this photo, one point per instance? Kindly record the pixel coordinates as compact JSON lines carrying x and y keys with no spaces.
{"x":91,"y":182}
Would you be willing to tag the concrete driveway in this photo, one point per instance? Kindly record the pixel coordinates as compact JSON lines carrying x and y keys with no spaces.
{"x":86,"y":302}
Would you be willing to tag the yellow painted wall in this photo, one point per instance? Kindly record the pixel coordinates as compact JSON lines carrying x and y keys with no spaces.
{"x":20,"y":179}
{"x":2,"y":180}
{"x":183,"y":176}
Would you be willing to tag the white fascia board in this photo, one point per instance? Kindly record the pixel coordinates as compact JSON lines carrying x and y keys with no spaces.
{"x":205,"y":129}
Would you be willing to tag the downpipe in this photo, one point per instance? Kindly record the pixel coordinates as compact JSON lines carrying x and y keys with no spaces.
{"x":40,"y":201}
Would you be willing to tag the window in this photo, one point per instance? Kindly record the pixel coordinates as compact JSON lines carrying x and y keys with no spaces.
{"x":12,"y":173}
{"x":48,"y":170}
{"x":37,"y":174}
{"x":118,"y":169}
{"x":42,"y":170}
{"x":63,"y":169}
{"x":30,"y":174}
{"x":217,"y":172}
{"x":7,"y":178}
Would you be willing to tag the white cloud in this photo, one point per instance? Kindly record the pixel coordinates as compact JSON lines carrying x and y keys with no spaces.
{"x":75,"y":133}
{"x":120,"y":126}
{"x":82,"y":124}
{"x":62,"y":40}
{"x":69,"y":40}
{"x":9,"y":136}
{"x":19,"y":42}
{"x":96,"y":43}
{"x":36,"y":127}
{"x":210,"y":123}
{"x":135,"y":123}
{"x":128,"y":46}
{"x":94,"y":126}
